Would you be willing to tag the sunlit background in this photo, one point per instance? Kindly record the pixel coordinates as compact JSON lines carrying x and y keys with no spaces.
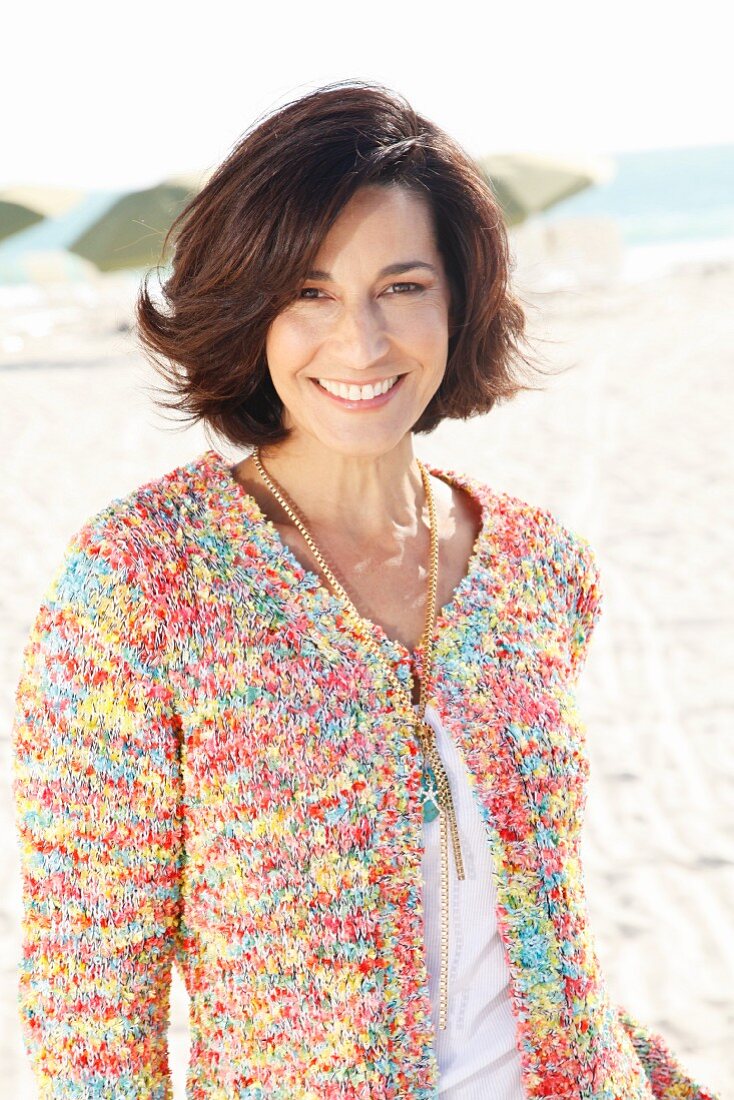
{"x":606,"y":132}
{"x":98,"y":114}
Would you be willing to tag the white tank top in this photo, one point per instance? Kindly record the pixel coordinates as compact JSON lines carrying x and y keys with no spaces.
{"x":477,"y":1054}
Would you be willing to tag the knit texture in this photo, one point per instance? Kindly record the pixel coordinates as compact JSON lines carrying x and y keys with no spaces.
{"x":211,"y":769}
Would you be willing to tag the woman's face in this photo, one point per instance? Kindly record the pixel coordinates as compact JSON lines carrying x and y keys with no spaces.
{"x":375,"y":308}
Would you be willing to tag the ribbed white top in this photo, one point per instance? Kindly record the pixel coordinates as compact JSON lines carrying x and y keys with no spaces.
{"x":477,"y":1054}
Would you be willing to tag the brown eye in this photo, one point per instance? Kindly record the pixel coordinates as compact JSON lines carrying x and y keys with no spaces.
{"x":410,"y":286}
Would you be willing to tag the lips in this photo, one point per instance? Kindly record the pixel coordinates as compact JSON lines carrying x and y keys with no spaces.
{"x":374,"y":402}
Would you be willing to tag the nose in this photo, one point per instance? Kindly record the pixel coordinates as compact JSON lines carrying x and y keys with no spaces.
{"x":359,"y":337}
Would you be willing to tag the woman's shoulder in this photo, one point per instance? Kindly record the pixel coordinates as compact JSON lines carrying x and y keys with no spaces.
{"x":137,"y":538}
{"x":154,"y":509}
{"x":548,"y":553}
{"x":528,"y":527}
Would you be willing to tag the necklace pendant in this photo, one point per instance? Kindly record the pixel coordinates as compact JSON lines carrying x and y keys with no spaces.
{"x":429,"y":793}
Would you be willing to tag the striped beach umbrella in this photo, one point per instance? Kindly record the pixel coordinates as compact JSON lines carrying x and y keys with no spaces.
{"x":39,"y":253}
{"x":25,"y":205}
{"x":130,"y":232}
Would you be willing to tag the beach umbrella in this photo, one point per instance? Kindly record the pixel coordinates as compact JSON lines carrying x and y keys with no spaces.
{"x":528,"y":183}
{"x":40,"y":253}
{"x":130,"y":232}
{"x":24,"y":205}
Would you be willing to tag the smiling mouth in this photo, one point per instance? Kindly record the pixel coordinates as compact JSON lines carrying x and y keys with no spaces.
{"x":351,"y":396}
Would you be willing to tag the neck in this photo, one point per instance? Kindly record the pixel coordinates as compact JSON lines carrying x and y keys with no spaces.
{"x":371,"y":496}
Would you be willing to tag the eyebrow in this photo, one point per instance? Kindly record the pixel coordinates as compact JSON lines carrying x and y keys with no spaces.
{"x":391,"y":269}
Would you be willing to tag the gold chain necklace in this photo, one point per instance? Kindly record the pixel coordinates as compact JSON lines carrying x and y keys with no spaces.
{"x":424,"y":731}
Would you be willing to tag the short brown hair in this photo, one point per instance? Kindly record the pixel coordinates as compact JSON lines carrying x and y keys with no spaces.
{"x":244,"y":243}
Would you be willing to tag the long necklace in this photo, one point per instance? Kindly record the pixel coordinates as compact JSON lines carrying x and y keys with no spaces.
{"x":435,"y":786}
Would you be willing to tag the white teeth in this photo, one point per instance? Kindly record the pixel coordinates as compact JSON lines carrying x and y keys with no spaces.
{"x":358,"y":393}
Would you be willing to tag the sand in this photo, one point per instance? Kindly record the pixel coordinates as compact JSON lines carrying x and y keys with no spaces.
{"x":629,"y":448}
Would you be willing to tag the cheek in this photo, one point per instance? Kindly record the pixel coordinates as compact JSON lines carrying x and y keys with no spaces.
{"x":289,"y":341}
{"x":426,"y":331}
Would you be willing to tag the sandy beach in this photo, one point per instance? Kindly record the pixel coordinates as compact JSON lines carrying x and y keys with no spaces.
{"x":629,"y":448}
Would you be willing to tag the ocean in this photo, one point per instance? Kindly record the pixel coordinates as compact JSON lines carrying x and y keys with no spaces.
{"x":669,"y":205}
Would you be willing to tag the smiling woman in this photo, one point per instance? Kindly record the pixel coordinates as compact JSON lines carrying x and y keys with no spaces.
{"x":251,"y":244}
{"x":304,"y":725}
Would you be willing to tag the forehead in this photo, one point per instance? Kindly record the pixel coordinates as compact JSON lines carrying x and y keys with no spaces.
{"x":380,"y":218}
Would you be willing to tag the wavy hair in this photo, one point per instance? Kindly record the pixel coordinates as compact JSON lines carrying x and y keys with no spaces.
{"x":245,"y":241}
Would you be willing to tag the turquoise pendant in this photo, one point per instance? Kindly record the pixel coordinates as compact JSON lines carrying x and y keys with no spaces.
{"x":429,"y":793}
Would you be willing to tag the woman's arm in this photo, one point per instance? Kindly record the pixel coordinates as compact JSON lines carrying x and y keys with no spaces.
{"x":96,"y":792}
{"x":584,"y":592}
{"x":668,"y":1078}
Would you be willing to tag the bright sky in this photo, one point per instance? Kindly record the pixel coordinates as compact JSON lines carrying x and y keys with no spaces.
{"x":97,"y":98}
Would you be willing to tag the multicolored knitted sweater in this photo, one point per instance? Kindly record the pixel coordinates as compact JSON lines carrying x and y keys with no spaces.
{"x":211,"y":769}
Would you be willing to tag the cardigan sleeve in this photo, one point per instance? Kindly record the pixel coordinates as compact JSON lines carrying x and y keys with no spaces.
{"x":96,"y":793}
{"x":586,"y":600}
{"x":668,"y":1078}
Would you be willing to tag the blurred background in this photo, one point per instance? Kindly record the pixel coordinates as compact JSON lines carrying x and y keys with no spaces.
{"x":605,"y":131}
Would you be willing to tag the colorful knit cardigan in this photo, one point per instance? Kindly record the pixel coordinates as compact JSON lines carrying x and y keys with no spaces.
{"x":211,"y":768}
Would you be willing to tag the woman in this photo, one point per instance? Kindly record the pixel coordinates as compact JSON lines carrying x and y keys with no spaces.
{"x":305,"y":724}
